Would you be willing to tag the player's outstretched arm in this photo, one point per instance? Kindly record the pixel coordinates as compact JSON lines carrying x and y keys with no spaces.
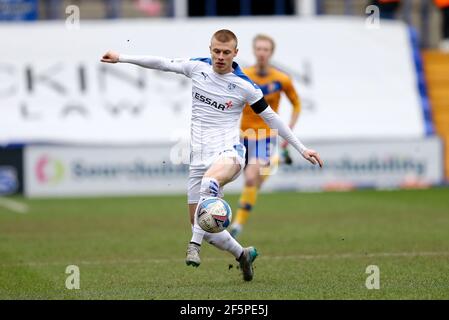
{"x":275,"y":122}
{"x":150,"y":62}
{"x":110,"y":57}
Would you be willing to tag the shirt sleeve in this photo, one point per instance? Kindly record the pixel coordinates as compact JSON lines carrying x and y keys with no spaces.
{"x":275,"y":122}
{"x":181,"y":66}
{"x":253,"y":94}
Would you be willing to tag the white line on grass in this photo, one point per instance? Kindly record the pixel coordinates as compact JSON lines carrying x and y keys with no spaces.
{"x":13,"y":205}
{"x":264,"y":257}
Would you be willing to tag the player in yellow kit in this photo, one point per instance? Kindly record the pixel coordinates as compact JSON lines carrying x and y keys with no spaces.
{"x":256,"y":135}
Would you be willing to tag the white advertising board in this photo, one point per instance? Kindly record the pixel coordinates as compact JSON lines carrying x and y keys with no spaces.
{"x":95,"y":171}
{"x":354,"y":82}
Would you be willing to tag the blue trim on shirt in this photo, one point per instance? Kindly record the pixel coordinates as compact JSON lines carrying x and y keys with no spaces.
{"x":205,"y":60}
{"x":237,"y":70}
{"x":239,"y":73}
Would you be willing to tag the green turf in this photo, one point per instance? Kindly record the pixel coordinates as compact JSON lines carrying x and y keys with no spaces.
{"x":312,"y":246}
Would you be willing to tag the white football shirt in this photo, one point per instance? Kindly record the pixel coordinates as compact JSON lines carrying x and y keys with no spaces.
{"x":217,"y":102}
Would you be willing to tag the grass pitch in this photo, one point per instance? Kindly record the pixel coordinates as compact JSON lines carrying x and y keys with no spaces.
{"x":312,"y":246}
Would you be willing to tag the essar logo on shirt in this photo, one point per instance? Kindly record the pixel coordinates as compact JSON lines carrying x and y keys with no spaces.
{"x":211,"y":102}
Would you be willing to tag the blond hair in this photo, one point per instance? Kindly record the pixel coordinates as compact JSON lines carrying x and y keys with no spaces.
{"x":264,"y":37}
{"x":225,"y":35}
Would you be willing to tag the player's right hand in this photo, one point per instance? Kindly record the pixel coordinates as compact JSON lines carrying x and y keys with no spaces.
{"x":110,"y":57}
{"x":313,"y":157}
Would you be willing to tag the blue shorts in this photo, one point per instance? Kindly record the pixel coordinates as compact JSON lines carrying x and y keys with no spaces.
{"x":260,"y":149}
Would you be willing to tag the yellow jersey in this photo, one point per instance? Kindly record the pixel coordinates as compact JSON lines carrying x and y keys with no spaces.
{"x":271,"y":84}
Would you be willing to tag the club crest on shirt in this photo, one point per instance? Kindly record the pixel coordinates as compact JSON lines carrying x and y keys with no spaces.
{"x":231,"y":86}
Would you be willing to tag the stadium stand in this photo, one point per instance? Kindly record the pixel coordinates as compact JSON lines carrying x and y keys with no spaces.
{"x":425,"y":16}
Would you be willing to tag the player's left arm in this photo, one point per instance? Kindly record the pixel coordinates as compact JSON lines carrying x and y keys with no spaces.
{"x":275,"y":122}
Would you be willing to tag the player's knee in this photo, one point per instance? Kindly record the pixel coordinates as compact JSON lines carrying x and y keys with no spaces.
{"x":251,"y":177}
{"x":251,"y":181}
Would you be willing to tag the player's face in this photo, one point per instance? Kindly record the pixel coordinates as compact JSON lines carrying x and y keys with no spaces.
{"x":263,"y":51}
{"x":222,"y":54}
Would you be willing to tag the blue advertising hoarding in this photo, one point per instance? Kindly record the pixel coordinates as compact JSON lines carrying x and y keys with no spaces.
{"x":18,"y":10}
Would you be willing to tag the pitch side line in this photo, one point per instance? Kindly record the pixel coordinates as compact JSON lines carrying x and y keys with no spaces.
{"x":12,"y":205}
{"x":289,"y":257}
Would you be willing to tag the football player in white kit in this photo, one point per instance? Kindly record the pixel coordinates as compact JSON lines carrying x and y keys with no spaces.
{"x":220,"y":90}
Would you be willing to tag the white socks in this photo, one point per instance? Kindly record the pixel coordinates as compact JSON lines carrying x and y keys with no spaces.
{"x":222,"y":240}
{"x":209,"y":188}
{"x":197,"y":231}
